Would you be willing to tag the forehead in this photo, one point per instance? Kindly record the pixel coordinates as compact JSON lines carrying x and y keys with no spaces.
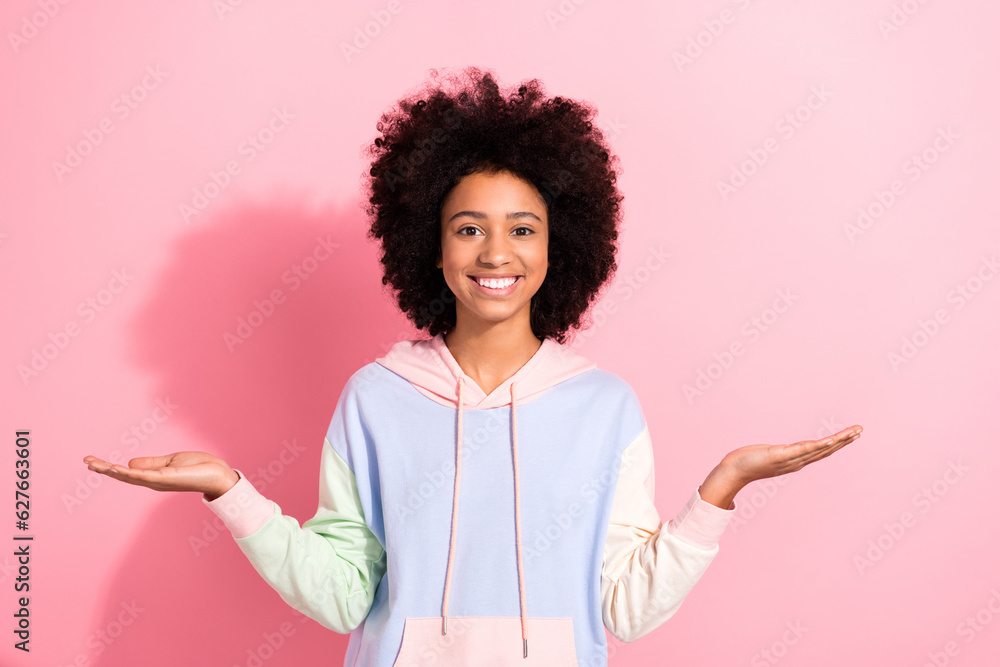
{"x":497,"y":192}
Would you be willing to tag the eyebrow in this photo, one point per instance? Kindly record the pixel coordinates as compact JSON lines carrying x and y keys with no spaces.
{"x":479,"y":215}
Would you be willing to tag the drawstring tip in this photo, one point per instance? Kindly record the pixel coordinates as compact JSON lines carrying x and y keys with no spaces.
{"x":444,"y":625}
{"x":525,"y":647}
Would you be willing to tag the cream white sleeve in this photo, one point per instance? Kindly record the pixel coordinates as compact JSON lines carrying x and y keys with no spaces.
{"x":650,"y":568}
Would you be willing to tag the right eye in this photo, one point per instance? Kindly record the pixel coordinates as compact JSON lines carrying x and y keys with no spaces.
{"x":463,"y":230}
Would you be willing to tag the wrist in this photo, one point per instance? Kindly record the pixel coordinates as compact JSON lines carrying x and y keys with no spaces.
{"x":721,"y":486}
{"x":232,"y":477}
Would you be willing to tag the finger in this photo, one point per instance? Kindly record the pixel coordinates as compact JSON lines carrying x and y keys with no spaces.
{"x":128,"y":476}
{"x":836,"y":440}
{"x":799,"y":451}
{"x":827,"y":450}
{"x":98,"y":465}
{"x":804,"y":452}
{"x":850,"y":436}
{"x":849,"y":432}
{"x":148,"y":478}
{"x":148,"y":462}
{"x":139,"y":463}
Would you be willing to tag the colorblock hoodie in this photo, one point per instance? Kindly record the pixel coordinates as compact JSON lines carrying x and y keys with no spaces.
{"x":460,"y":528}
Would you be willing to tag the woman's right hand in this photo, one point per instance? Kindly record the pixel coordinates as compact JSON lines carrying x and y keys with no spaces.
{"x":180,"y":471}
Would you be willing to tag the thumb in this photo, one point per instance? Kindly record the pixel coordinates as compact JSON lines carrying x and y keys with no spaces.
{"x":150,"y":462}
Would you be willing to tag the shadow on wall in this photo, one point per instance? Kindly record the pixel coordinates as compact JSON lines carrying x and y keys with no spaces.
{"x":257,"y":322}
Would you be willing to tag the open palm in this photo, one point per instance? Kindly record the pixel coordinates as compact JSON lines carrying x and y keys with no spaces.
{"x":180,"y":471}
{"x":755,"y":462}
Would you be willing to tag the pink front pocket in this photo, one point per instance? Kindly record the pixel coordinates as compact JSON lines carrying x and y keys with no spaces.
{"x":487,"y":641}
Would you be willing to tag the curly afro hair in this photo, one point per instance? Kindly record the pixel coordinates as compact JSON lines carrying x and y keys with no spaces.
{"x":433,"y":138}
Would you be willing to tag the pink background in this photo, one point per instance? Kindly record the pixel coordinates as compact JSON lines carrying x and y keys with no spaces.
{"x":848,"y":551}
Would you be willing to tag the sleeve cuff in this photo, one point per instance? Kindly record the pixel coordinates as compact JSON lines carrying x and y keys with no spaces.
{"x":700,"y":523}
{"x":242,"y":508}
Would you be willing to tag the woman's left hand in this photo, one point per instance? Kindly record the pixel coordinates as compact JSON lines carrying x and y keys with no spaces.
{"x":748,"y":464}
{"x":754,"y":462}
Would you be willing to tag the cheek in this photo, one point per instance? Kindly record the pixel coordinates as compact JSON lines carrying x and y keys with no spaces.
{"x":451,"y":267}
{"x":540,"y":259}
{"x":447,"y":259}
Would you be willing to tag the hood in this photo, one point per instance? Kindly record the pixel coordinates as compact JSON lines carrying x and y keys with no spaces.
{"x":430,"y":367}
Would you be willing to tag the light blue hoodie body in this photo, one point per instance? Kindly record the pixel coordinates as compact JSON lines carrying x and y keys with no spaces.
{"x":525,"y":517}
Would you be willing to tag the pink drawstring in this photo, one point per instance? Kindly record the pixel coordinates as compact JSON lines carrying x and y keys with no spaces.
{"x":454,"y":511}
{"x":517,"y":515}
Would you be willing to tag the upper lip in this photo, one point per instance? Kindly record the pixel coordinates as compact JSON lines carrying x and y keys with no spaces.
{"x":488,"y":276}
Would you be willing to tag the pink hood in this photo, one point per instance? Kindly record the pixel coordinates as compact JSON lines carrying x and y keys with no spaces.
{"x":430,"y":367}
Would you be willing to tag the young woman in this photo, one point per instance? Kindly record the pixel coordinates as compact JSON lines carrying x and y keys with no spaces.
{"x":486,"y":494}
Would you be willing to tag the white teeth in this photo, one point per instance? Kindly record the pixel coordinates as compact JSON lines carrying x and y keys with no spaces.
{"x":497,"y":283}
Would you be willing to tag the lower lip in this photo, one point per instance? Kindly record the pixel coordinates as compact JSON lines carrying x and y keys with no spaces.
{"x":489,"y":291}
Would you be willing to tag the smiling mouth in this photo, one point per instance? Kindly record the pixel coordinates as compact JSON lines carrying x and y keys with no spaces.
{"x":495,"y":283}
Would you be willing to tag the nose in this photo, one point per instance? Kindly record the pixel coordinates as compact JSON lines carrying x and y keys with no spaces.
{"x":496,"y":250}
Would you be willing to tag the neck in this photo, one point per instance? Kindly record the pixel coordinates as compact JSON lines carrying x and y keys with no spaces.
{"x":489,"y":353}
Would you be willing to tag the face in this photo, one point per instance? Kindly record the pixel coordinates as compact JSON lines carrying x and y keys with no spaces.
{"x":494,"y":249}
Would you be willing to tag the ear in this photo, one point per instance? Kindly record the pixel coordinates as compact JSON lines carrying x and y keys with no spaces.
{"x":439,"y":263}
